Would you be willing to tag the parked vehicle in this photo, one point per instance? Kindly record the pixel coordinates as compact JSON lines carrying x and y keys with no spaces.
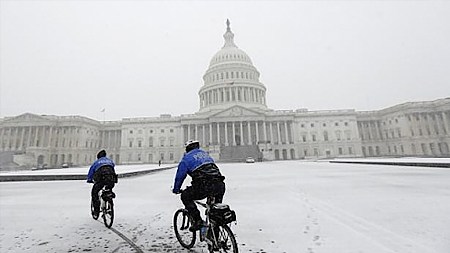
{"x":250,"y":160}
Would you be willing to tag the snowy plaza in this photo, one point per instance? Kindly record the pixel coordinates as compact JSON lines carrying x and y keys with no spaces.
{"x":285,"y":206}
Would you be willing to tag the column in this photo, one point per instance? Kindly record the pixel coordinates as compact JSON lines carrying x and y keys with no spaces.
{"x":242,"y":133}
{"x":203,"y":134}
{"x":286,"y":129}
{"x":278,"y":133}
{"x":249,"y":134}
{"x":196,"y":131}
{"x":226,"y":133}
{"x":210,"y":133}
{"x":218,"y":133}
{"x":189,"y":132}
{"x":36,"y":136}
{"x":2,"y":130}
{"x":21,"y":138}
{"x":183,"y":137}
{"x":445,"y":119}
{"x":257,"y":132}
{"x":293,"y":137}
{"x":271,"y":133}
{"x":234,"y":134}
{"x":16,"y":136}
{"x":265,"y":131}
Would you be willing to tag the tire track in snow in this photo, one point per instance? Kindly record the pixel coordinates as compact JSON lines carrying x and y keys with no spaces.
{"x":126,"y":239}
{"x":382,"y":236}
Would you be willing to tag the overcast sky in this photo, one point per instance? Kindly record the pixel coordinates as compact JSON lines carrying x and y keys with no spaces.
{"x":146,"y":58}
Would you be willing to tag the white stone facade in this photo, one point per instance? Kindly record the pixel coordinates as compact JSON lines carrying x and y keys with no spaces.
{"x":233,"y":122}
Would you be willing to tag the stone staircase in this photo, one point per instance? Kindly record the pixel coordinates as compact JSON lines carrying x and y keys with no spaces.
{"x":238,"y":153}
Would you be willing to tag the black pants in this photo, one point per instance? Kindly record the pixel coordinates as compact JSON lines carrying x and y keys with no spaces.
{"x":96,"y":189}
{"x":201,"y":191}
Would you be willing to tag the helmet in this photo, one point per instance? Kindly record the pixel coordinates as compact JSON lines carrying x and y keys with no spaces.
{"x":191,"y":144}
{"x":101,"y":154}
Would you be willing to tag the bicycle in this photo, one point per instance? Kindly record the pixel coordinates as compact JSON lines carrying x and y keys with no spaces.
{"x":215,"y":232}
{"x":106,"y":197}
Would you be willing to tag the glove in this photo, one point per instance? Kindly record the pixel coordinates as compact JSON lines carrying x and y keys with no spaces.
{"x":90,"y":181}
{"x":175,"y":191}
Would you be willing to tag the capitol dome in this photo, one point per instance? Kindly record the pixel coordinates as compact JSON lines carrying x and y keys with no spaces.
{"x":231,"y":79}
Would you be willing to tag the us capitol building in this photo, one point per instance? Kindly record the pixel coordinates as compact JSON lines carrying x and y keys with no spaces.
{"x":233,"y":123}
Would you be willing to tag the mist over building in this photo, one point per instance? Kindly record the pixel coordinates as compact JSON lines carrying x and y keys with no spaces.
{"x":233,"y":122}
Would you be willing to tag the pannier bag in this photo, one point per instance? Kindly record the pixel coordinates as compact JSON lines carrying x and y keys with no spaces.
{"x":222,"y":214}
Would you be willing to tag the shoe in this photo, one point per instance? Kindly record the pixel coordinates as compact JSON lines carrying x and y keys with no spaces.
{"x":196,"y":225}
{"x":95,"y":214}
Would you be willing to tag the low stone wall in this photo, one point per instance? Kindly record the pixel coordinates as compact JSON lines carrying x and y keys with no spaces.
{"x":418,"y":164}
{"x":56,"y":177}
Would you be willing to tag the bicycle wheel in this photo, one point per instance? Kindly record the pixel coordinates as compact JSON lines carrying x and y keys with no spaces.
{"x":181,"y":223}
{"x":226,"y":242}
{"x":108,"y":213}
{"x":92,"y":211}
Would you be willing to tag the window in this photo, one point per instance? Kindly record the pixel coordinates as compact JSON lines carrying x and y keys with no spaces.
{"x":162,"y":131}
{"x":350,"y":151}
{"x":312,"y":124}
{"x":304,"y":138}
{"x":131,"y":144}
{"x":171,"y":156}
{"x":171,"y":130}
{"x":150,"y":142}
{"x":139,"y":144}
{"x":151,"y":131}
{"x":346,"y":123}
{"x":340,"y":151}
{"x":314,"y":137}
{"x":324,"y":125}
{"x":325,"y":136}
{"x":131,"y":131}
{"x":338,"y":135}
{"x":336,"y":124}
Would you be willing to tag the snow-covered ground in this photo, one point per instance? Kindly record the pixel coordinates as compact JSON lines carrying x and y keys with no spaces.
{"x":120,"y":169}
{"x":289,"y":206}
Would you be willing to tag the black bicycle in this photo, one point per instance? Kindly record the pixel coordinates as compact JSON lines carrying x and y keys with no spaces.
{"x":215,"y":231}
{"x":106,"y":206}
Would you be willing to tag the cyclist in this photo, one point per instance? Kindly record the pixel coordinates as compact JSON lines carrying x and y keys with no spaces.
{"x":101,"y":173}
{"x":206,"y":180}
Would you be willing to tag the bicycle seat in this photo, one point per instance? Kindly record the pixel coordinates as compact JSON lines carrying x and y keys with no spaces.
{"x":220,"y":206}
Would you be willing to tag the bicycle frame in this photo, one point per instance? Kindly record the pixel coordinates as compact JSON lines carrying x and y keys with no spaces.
{"x":209,"y":225}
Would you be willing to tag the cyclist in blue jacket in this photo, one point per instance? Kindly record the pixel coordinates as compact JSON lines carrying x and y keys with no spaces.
{"x":206,"y":180}
{"x":101,"y":173}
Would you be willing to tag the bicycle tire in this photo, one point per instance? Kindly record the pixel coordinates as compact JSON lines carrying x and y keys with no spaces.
{"x":108,"y":213}
{"x":181,"y":223}
{"x":226,"y":241}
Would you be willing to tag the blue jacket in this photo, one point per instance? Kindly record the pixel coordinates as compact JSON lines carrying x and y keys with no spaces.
{"x":190,"y":162}
{"x":97,"y":164}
